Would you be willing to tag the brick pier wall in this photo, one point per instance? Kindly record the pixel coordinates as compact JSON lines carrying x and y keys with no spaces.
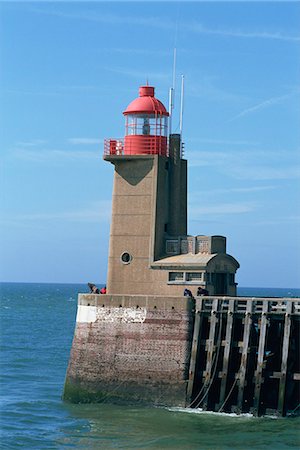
{"x":131,"y":348}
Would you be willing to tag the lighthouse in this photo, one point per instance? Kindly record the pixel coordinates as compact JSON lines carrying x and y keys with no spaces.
{"x":145,"y":340}
{"x":150,"y":252}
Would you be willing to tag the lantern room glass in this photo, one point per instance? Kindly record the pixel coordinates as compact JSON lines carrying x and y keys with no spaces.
{"x":146,"y":125}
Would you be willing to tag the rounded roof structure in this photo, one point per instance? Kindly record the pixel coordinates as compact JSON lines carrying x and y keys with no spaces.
{"x":198,"y":260}
{"x":146,"y":103}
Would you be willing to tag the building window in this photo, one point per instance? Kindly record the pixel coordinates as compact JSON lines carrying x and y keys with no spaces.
{"x":175,"y":276}
{"x":186,"y":277}
{"x":126,"y":258}
{"x":194,"y":276}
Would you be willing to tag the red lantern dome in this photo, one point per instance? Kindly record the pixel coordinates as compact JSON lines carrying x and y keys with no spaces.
{"x":146,"y":103}
{"x":146,"y":125}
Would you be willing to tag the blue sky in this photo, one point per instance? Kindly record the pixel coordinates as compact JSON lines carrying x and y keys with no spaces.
{"x":70,"y":69}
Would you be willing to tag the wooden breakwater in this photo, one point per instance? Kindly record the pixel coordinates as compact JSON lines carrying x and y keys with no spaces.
{"x":245,"y":355}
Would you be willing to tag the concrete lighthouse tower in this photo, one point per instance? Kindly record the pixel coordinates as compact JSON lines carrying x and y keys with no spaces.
{"x":150,"y":252}
{"x":135,"y":342}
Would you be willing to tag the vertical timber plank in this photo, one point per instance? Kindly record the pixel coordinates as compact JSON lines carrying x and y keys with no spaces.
{"x":260,"y":358}
{"x":244,"y":357}
{"x":210,"y":345}
{"x":194,"y":351}
{"x":227,"y":347}
{"x":285,"y":352}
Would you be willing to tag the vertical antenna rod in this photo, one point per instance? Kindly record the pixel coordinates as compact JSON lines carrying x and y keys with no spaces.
{"x":171,"y":92}
{"x":170,"y":109}
{"x":181,"y":103}
{"x":174,"y":68}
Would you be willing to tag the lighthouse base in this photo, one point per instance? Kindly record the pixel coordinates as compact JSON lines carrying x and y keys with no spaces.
{"x":131,"y":349}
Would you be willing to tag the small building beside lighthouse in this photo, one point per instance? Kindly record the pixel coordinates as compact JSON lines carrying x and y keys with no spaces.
{"x":150,"y":252}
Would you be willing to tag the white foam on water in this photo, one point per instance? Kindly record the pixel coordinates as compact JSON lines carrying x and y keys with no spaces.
{"x":223,"y":414}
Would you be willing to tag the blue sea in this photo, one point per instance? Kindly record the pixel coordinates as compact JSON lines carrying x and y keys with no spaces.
{"x":37,"y":326}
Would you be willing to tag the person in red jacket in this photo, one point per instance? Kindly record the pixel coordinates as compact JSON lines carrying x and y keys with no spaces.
{"x":103,"y":290}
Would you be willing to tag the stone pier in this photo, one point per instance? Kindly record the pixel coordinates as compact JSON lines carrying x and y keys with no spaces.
{"x":229,"y":354}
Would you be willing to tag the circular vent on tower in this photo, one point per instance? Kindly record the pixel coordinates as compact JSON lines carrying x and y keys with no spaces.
{"x":126,"y":258}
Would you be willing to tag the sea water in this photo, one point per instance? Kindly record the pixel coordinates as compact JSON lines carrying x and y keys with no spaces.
{"x":37,"y":326}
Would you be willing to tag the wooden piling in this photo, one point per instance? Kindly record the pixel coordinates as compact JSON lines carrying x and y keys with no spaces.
{"x":210,"y":348}
{"x":227,"y":347}
{"x":285,"y":352}
{"x":260,"y":359}
{"x":194,"y":351}
{"x":241,"y":375}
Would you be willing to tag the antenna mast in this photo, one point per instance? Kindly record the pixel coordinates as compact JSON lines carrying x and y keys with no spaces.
{"x":174,"y":68}
{"x":172,"y":92}
{"x":181,"y":103}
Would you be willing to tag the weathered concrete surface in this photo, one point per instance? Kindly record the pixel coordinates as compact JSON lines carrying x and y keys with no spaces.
{"x":131,"y":348}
